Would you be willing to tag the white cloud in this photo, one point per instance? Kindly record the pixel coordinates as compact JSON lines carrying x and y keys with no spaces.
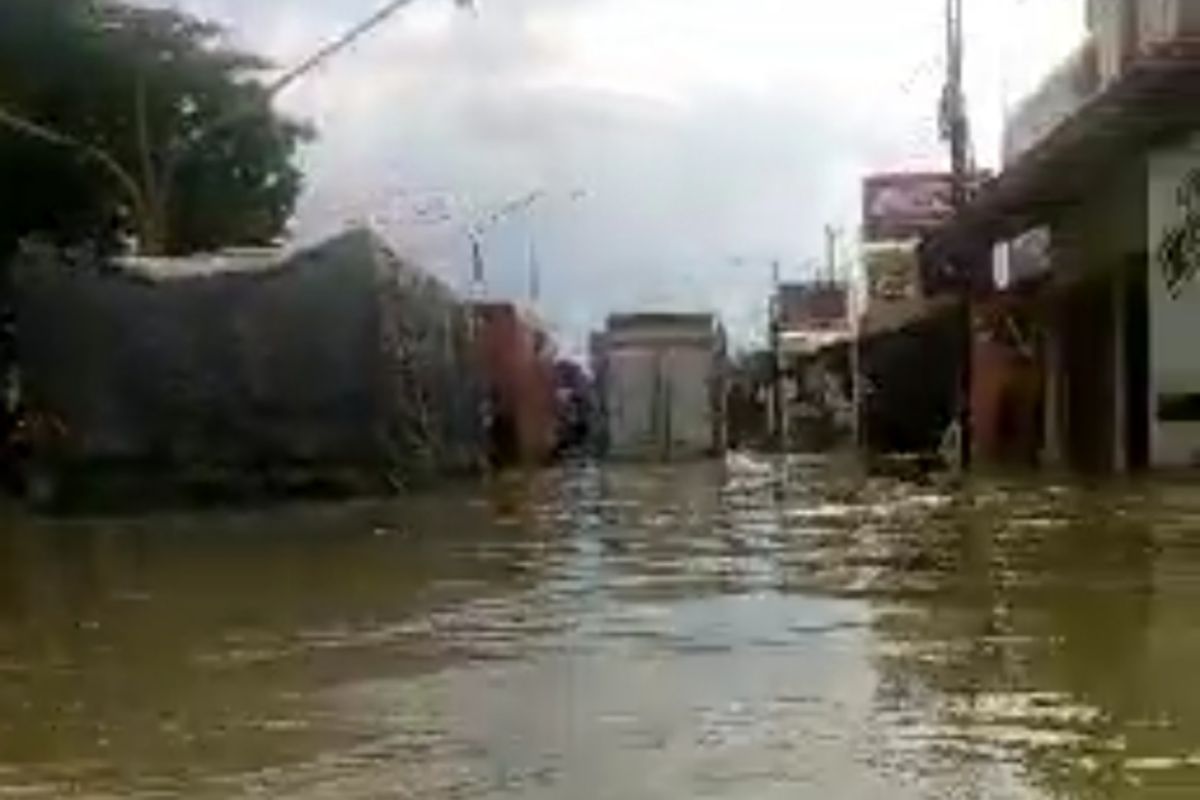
{"x":703,"y":129}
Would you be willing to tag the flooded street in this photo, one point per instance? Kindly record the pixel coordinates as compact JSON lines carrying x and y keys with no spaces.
{"x":741,"y":630}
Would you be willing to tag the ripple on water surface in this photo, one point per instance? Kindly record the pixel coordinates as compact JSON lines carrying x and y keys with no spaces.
{"x":757,"y":628}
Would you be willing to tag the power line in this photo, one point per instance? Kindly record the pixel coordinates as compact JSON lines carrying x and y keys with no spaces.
{"x":336,"y":46}
{"x":283,"y":82}
{"x":149,"y":206}
{"x":956,"y":130}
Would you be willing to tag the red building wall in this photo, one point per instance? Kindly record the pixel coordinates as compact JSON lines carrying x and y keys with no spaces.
{"x":1006,"y":387}
{"x":517,"y":362}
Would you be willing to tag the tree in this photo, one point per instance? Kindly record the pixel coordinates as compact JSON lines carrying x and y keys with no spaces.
{"x":143,"y":122}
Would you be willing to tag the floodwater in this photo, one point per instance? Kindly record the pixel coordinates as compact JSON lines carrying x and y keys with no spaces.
{"x":753,"y":629}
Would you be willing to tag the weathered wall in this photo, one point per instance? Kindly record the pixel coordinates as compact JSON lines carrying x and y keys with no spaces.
{"x":661,"y":402}
{"x":662,"y":387}
{"x":1174,"y":255}
{"x":1094,"y":245}
{"x":433,"y":387}
{"x":631,"y":391}
{"x":333,"y":358}
{"x":689,"y":377}
{"x":1060,"y":95}
{"x":517,"y":365}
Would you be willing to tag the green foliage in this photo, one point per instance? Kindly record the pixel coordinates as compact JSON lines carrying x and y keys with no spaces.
{"x":217,"y":166}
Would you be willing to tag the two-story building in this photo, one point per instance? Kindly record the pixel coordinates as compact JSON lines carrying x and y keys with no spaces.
{"x":908,"y":344}
{"x":1101,"y":178}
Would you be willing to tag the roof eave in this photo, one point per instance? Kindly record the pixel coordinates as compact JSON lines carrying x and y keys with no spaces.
{"x":1156,"y":99}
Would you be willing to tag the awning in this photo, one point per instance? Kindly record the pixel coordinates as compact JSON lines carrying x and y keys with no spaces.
{"x":805,"y":343}
{"x":1156,"y":99}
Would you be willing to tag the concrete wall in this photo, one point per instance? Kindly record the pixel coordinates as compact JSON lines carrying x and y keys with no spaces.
{"x":660,"y":401}
{"x":662,"y":389}
{"x":1175,"y":305}
{"x":1094,"y":246}
{"x":202,"y":369}
{"x":1114,"y":25}
{"x":1122,"y":298}
{"x":1161,"y":22}
{"x":689,"y":377}
{"x":1060,"y":95}
{"x":631,"y":389}
{"x":1128,"y":29}
{"x":338,"y":356}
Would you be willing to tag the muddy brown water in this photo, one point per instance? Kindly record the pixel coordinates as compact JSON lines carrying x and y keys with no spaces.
{"x":752,"y":629}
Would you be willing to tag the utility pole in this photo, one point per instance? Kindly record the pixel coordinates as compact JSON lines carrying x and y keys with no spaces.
{"x":477,"y":289}
{"x":957,"y":133}
{"x":535,"y":271}
{"x":478,"y":229}
{"x":778,"y":413}
{"x":831,"y":258}
{"x":955,"y":125}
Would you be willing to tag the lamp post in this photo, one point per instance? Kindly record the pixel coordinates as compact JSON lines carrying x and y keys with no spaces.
{"x":478,"y":229}
{"x":436,"y":208}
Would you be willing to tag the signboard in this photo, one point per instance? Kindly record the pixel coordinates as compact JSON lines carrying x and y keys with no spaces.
{"x":813,"y":306}
{"x":893,"y":271}
{"x":1023,"y":258}
{"x":903,"y":206}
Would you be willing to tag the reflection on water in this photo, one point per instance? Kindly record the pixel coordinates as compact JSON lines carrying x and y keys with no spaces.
{"x":749,"y":629}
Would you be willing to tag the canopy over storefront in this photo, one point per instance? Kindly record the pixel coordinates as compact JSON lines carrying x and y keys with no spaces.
{"x":1155,"y":100}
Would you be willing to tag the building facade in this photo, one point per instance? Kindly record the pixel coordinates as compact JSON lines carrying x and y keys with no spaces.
{"x":908,"y":344}
{"x":516,"y":362}
{"x":338,"y":365}
{"x":1103,"y":168}
{"x":811,"y":328}
{"x":661,"y":379}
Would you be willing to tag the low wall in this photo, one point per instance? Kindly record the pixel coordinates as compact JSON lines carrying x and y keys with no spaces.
{"x":338,"y":357}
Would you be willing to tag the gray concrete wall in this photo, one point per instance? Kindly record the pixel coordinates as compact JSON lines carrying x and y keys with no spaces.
{"x":314,"y":361}
{"x":662,"y":386}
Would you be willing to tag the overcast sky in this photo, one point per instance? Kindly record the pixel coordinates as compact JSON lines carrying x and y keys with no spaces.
{"x":703,"y":131}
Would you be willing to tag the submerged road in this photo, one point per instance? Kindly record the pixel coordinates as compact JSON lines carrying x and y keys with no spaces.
{"x":752,"y":629}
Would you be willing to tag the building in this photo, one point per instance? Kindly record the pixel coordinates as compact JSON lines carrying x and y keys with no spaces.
{"x":811,"y":329}
{"x":748,"y":397}
{"x":337,"y":366}
{"x":1102,"y":174}
{"x":516,"y":357}
{"x":573,"y":405}
{"x":908,"y":346}
{"x":661,"y":379}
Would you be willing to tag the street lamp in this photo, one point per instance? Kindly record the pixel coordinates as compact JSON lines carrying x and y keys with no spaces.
{"x":534,"y":262}
{"x":438,"y":207}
